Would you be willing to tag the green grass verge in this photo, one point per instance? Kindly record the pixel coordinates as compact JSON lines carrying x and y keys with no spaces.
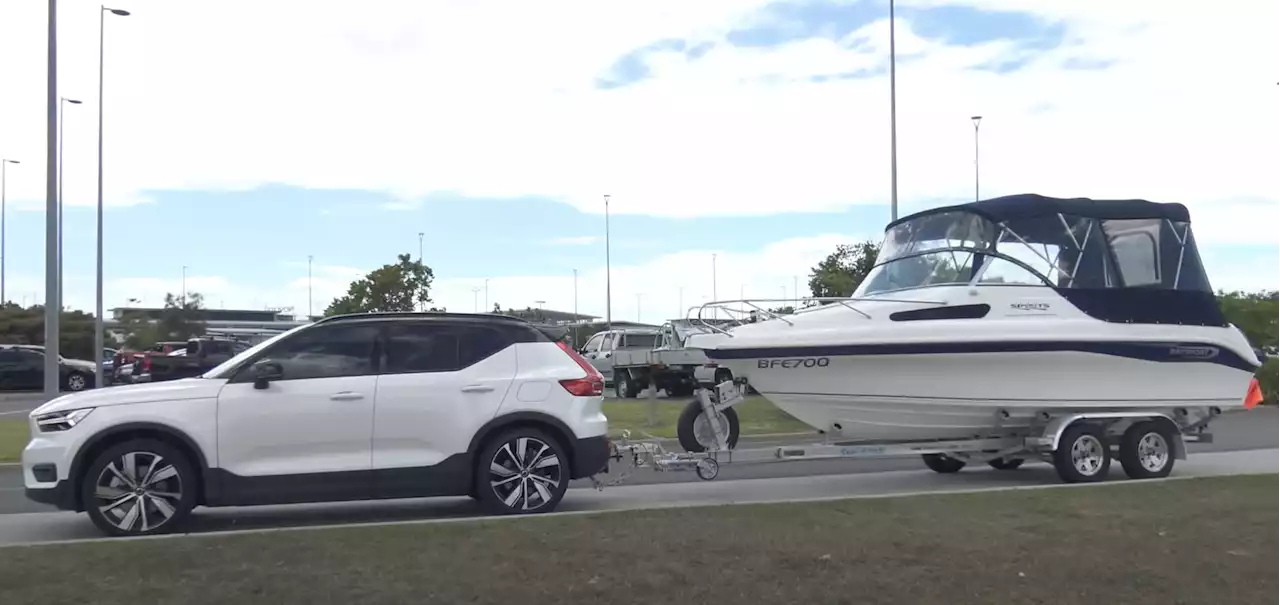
{"x":1210,"y":541}
{"x":14,"y":434}
{"x":756,"y":416}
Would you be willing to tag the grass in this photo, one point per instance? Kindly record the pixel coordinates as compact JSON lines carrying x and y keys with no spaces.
{"x":756,"y":416}
{"x":1209,"y":541}
{"x":14,"y":434}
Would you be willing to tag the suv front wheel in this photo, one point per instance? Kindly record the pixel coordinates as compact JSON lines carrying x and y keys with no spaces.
{"x":138,"y":488}
{"x":522,"y":471}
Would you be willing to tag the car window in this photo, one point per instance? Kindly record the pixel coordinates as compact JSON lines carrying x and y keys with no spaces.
{"x":439,"y":347}
{"x":326,"y":352}
{"x":607,"y":345}
{"x":593,"y":344}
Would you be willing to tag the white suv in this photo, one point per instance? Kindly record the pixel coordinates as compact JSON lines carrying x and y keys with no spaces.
{"x":371,"y":406}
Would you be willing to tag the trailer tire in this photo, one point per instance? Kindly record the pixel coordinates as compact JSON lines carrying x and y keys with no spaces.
{"x":939,"y":463}
{"x":1146,"y":450}
{"x":1083,"y":454}
{"x":687,"y":425}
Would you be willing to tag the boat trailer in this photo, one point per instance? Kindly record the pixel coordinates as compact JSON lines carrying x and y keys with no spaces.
{"x":1147,"y":442}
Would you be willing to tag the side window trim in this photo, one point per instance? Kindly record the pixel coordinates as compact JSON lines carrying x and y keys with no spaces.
{"x":461,"y":341}
{"x":242,"y":373}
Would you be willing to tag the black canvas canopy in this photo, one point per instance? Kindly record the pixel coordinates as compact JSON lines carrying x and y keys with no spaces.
{"x":1029,"y":205}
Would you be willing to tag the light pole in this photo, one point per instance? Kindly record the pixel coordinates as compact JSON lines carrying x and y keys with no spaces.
{"x":976,"y":120}
{"x":486,"y":294}
{"x":608,"y":271}
{"x":715,"y":311}
{"x":680,"y":310}
{"x":3,"y":203}
{"x":51,"y":315}
{"x":310,"y":313}
{"x":422,"y":306}
{"x":575,"y":297}
{"x":795,"y":289}
{"x":98,"y":322}
{"x":638,"y":296}
{"x":62,"y":119}
{"x":893,"y":120}
{"x":475,"y":300}
{"x":184,"y":286}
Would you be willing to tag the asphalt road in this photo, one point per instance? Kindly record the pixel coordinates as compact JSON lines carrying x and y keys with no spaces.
{"x":1244,"y":441}
{"x":16,"y":404}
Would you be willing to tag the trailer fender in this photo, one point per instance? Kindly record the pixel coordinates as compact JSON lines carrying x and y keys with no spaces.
{"x":1054,"y":429}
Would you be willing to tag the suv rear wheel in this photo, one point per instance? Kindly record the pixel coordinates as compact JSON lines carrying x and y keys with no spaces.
{"x":138,"y":488}
{"x":521,"y":471}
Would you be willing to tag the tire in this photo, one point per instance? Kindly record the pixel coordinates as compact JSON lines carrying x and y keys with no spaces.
{"x":169,"y":498}
{"x":1006,"y":464}
{"x":1083,"y":455}
{"x":688,"y":427}
{"x":1146,"y":450}
{"x":623,"y":386}
{"x":529,"y":485}
{"x":942,"y":464}
{"x":77,"y":381}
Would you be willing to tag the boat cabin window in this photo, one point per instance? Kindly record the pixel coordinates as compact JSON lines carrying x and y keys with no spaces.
{"x":1058,"y":250}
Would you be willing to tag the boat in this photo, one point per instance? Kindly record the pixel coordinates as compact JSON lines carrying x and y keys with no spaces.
{"x":986,"y":318}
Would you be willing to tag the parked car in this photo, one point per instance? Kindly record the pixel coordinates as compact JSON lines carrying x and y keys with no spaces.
{"x":22,"y":368}
{"x":199,"y":356}
{"x":122,"y":364}
{"x":368,"y":406}
{"x":600,"y":348}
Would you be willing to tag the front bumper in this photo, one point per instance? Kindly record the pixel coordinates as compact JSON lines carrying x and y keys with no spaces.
{"x":60,"y":495}
{"x":591,"y":456}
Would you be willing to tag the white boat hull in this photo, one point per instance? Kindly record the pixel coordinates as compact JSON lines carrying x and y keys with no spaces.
{"x":948,"y":396}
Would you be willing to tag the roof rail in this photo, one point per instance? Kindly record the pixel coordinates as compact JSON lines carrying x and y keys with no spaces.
{"x":421,"y":315}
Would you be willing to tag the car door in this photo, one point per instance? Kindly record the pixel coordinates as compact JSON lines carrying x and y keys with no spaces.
{"x":11,"y":370}
{"x":602,"y":358}
{"x":440,"y":382}
{"x":305,"y":436}
{"x":29,"y":369}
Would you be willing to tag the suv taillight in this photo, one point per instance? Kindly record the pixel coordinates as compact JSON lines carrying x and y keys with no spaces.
{"x":590,"y":385}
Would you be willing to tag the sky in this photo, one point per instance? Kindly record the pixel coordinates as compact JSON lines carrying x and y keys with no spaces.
{"x":740,"y":141}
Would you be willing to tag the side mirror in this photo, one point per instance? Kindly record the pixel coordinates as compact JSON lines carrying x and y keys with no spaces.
{"x":264,"y":372}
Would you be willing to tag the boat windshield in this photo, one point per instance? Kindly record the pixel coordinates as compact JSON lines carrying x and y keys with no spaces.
{"x":1054,"y":249}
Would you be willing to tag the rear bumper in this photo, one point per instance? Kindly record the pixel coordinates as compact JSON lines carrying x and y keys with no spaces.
{"x":590,"y":456}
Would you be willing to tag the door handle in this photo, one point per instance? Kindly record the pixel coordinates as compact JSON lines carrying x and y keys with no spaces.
{"x":346,"y":396}
{"x":477,"y":388}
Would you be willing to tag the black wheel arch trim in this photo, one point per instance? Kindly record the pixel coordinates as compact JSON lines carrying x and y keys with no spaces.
{"x":78,"y":462}
{"x":568,"y":439}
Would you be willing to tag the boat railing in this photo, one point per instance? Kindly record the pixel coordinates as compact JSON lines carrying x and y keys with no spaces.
{"x":721,"y":316}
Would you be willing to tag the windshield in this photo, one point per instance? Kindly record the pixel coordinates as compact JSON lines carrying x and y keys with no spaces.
{"x":225,"y":368}
{"x":931,"y":250}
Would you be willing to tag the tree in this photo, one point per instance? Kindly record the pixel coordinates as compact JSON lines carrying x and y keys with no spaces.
{"x":842,"y":271}
{"x":1256,"y":314}
{"x":20,"y":325}
{"x":399,"y":287}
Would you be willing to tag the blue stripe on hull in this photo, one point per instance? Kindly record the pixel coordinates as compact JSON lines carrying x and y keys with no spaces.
{"x":1181,"y":352}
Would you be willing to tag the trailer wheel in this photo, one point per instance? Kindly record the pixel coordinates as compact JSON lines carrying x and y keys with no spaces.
{"x":1005,"y":464}
{"x":942,"y":464}
{"x":1083,"y":455}
{"x":697,"y":435}
{"x":1146,"y":450}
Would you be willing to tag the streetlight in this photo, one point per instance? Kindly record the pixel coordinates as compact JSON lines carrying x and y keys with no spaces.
{"x":98,"y":323}
{"x":575,"y":296}
{"x":309,"y":308}
{"x":893,"y":121}
{"x":486,"y":294}
{"x":608,"y":271}
{"x":61,"y":129}
{"x":422,"y":306}
{"x":475,"y":300}
{"x":4,"y":162}
{"x":52,"y":375}
{"x":184,"y":286}
{"x":715,"y":312}
{"x":976,"y":120}
{"x":638,"y":296}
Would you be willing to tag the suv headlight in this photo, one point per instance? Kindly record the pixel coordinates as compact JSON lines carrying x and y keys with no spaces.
{"x":61,"y":421}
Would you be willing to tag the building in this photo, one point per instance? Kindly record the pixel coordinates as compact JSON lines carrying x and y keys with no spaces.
{"x":247,"y":324}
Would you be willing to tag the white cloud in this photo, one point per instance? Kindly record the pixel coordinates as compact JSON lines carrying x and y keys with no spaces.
{"x":495,"y":98}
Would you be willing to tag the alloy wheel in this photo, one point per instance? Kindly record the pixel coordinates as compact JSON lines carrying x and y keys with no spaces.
{"x":1087,"y":455}
{"x":525,"y":473}
{"x":138,"y":492}
{"x":1153,"y":452}
{"x":76,"y":382}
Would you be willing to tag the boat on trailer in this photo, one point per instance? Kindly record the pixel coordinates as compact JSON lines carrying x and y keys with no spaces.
{"x":996,"y":331}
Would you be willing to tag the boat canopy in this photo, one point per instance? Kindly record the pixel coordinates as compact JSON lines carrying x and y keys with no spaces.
{"x":1102,"y":255}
